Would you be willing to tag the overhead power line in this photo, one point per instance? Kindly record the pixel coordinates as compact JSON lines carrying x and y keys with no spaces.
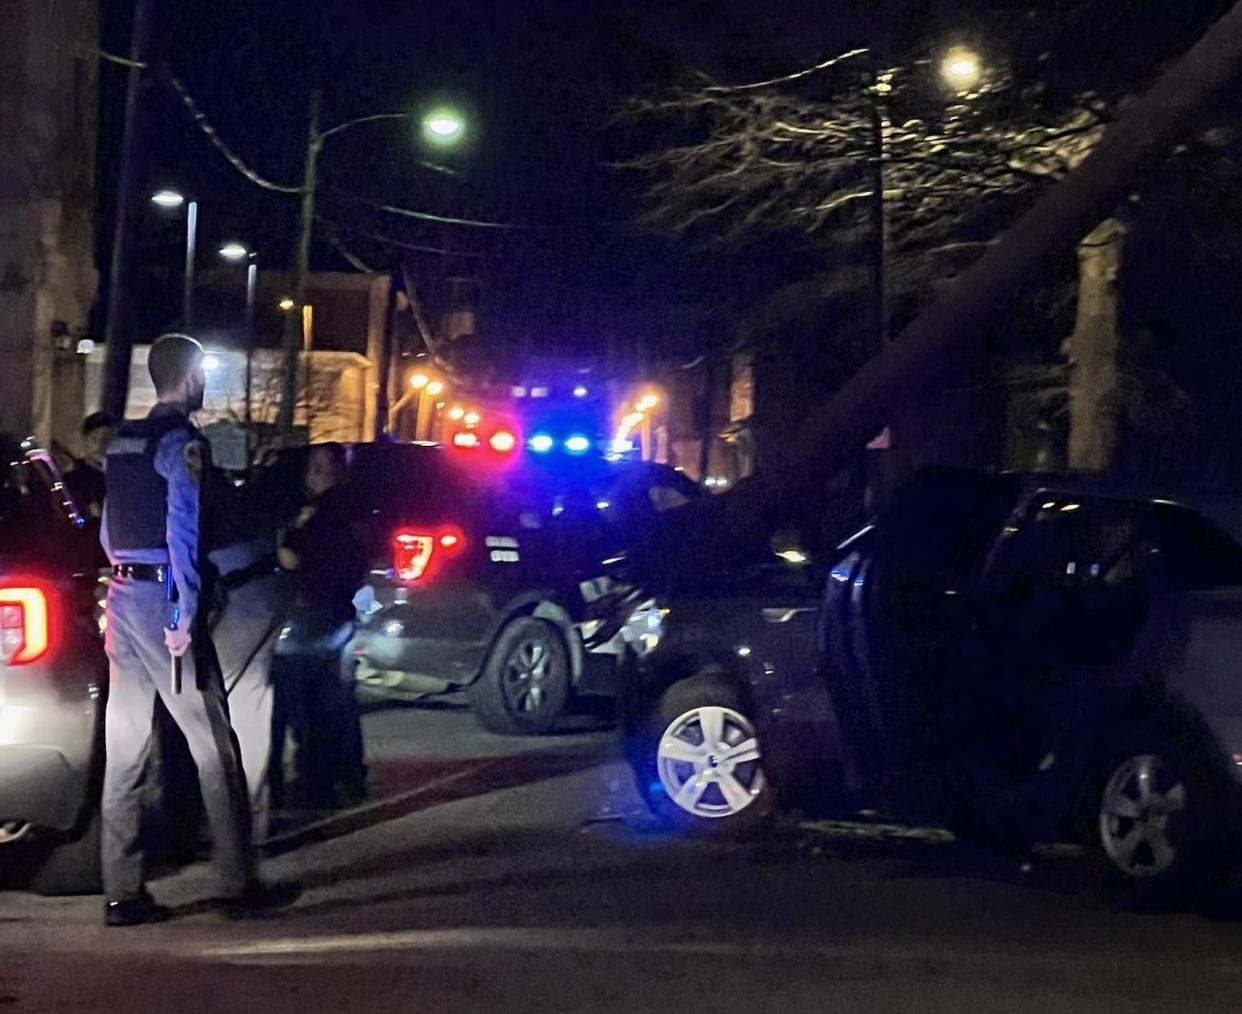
{"x":423,"y":216}
{"x":806,"y":72}
{"x":203,"y":124}
{"x":79,"y":50}
{"x":333,"y":238}
{"x":399,"y":244}
{"x":82,"y":49}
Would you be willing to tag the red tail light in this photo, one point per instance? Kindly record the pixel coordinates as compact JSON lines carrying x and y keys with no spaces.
{"x":25,"y":624}
{"x":418,"y":553}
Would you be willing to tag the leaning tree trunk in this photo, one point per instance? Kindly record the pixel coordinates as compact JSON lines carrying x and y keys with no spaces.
{"x":1092,"y":350}
{"x":944,"y":342}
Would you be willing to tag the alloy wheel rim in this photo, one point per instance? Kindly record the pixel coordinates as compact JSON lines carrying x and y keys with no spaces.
{"x":709,"y":762}
{"x":1141,"y":812}
{"x":527,"y":674}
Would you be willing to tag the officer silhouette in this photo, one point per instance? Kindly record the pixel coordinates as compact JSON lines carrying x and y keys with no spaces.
{"x":157,"y":607}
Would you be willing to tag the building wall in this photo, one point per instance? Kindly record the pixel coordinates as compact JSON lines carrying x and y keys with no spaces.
{"x":48,"y":102}
{"x":333,"y":392}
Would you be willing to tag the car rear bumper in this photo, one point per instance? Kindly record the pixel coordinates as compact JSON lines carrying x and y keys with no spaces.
{"x":51,"y":726}
{"x":398,"y":640}
{"x":38,"y":786}
{"x":47,"y":759}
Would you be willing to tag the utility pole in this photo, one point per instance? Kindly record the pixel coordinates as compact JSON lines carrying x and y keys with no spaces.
{"x":252,"y":287}
{"x":118,"y":336}
{"x":382,"y":422}
{"x":293,"y":338}
{"x":191,"y":242}
{"x":879,"y":218}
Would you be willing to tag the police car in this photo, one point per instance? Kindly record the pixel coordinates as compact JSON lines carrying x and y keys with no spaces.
{"x":483,"y":561}
{"x":53,"y":681}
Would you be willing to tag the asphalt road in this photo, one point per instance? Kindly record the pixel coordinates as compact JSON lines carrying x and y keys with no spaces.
{"x":490,"y":874}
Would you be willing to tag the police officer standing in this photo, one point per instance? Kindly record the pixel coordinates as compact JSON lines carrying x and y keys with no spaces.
{"x":156,"y":614}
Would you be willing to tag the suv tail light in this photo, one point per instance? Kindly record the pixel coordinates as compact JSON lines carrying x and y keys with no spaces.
{"x":25,"y":624}
{"x":418,"y":552}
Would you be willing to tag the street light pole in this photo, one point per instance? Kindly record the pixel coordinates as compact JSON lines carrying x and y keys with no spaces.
{"x":293,"y":339}
{"x":252,"y":285}
{"x":442,"y":127}
{"x":191,"y":240}
{"x":118,"y":333}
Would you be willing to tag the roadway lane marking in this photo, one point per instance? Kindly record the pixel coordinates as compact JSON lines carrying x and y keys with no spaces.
{"x":498,"y":938}
{"x":641,"y":942}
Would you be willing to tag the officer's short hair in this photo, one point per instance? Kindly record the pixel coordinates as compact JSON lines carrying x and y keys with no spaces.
{"x":171,"y":359}
{"x":96,"y":421}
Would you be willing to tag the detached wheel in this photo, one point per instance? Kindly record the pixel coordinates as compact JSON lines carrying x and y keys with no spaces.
{"x":525,"y":681}
{"x":700,"y":763}
{"x":1146,"y":822}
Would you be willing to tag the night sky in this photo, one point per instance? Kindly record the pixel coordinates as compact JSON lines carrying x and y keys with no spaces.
{"x":541,"y":84}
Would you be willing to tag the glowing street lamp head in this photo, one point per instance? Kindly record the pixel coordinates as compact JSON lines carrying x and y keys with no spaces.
{"x":443,"y":126}
{"x":286,"y":304}
{"x":961,"y":69}
{"x":167,"y":199}
{"x":234,"y":252}
{"x":434,"y":388}
{"x":419,"y":381}
{"x":456,"y":412}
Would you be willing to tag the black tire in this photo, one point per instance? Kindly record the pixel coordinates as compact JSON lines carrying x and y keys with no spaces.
{"x":1153,"y":851}
{"x":69,"y":864}
{"x":524,"y":684}
{"x":671,"y":715}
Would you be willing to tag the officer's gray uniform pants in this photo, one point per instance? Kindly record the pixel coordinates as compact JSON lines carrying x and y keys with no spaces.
{"x":139,"y":669}
{"x":243,"y":635}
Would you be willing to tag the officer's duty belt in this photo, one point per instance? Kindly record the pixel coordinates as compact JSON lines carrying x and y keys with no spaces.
{"x":142,"y":571}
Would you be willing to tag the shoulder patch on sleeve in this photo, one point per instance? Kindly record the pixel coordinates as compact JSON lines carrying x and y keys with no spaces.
{"x":194,"y":460}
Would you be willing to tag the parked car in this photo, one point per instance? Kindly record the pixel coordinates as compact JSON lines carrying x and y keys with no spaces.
{"x":53,"y":681}
{"x":478,"y":572}
{"x":1024,"y":658}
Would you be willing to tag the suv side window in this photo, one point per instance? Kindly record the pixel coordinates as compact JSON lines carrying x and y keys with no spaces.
{"x":933,"y":544}
{"x":1068,"y":583}
{"x":1189,"y":553}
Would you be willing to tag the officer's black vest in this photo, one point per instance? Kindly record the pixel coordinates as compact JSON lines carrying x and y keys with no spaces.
{"x":137,"y":493}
